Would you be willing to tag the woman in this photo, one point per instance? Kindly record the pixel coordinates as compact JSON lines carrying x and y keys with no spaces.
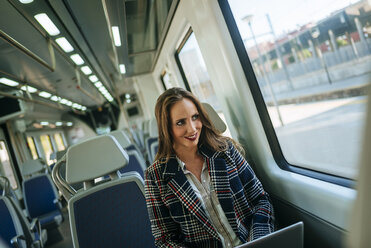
{"x":200,"y":191}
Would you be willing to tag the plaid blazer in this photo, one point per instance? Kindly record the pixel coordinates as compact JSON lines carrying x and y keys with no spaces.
{"x":177,"y":216}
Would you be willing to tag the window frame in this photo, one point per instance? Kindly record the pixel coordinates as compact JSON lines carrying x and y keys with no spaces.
{"x":179,"y":64}
{"x":55,"y":141}
{"x":162,"y":79}
{"x":51,"y":146}
{"x":29,"y":149}
{"x":163,"y":73}
{"x":262,"y":109}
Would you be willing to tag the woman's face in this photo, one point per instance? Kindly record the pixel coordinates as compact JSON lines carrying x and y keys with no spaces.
{"x":186,"y":124}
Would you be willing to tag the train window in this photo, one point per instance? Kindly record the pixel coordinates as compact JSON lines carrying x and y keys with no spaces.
{"x":47,"y":146}
{"x":6,"y":168}
{"x":311,"y":62}
{"x":195,"y":75}
{"x":31,"y":146}
{"x":59,"y":141}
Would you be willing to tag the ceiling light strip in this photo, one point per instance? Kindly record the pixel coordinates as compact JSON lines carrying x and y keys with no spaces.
{"x":47,"y":24}
{"x":116,"y":36}
{"x":64,"y":44}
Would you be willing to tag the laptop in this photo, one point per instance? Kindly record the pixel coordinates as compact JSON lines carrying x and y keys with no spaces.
{"x":288,"y":237}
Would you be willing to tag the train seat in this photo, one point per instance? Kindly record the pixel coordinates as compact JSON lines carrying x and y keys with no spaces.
{"x":10,"y":227}
{"x":136,"y":134}
{"x":154,"y":149}
{"x":33,"y":167}
{"x":57,"y":156}
{"x":12,"y":230}
{"x":153,"y":138}
{"x":121,"y":138}
{"x":41,"y":200}
{"x":33,"y":233}
{"x":214,"y":117}
{"x":136,"y":161}
{"x":111,"y":214}
{"x":6,"y":190}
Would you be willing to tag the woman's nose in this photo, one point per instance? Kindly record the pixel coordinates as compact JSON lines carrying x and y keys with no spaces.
{"x":191,"y":127}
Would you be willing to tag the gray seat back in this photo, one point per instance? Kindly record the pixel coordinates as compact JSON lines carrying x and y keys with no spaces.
{"x":110,"y":214}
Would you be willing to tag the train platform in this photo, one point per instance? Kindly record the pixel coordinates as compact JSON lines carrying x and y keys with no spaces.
{"x":354,"y":86}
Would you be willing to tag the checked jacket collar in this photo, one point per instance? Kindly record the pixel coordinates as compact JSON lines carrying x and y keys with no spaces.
{"x":178,"y":183}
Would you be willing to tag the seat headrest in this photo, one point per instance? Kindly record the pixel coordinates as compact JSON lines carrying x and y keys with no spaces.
{"x":60,"y":154}
{"x":145,"y":125}
{"x":31,"y":167}
{"x":57,"y":155}
{"x":94,"y":158}
{"x":214,"y":117}
{"x":53,"y":155}
{"x":153,"y":131}
{"x":121,"y":138}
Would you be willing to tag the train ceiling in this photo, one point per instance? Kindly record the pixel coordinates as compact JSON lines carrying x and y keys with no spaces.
{"x":63,"y":59}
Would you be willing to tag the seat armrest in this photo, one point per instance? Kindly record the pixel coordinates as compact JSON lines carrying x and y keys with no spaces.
{"x":57,"y":202}
{"x":35,"y":227}
{"x":15,"y":241}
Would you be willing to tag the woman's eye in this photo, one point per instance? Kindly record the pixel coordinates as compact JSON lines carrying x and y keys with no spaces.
{"x":195,"y":117}
{"x":180,"y":123}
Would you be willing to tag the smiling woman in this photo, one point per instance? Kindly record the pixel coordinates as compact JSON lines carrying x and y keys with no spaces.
{"x":206,"y":174}
{"x":244,"y":94}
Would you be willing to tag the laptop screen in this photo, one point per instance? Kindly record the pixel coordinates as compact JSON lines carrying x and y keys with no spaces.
{"x":291,"y":236}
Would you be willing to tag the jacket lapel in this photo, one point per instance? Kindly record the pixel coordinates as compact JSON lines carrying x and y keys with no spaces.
{"x":220,"y":182}
{"x":182,"y":189}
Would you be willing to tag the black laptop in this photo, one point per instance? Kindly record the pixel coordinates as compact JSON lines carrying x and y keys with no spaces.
{"x":288,"y":237}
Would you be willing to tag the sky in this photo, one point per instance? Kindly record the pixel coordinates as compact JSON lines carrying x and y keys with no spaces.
{"x":285,"y":15}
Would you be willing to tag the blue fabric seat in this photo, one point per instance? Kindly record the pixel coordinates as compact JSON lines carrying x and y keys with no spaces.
{"x":136,"y":163}
{"x":108,"y":214}
{"x":10,"y":226}
{"x":153,"y":150}
{"x":149,"y":143}
{"x":41,"y":201}
{"x":133,"y":147}
{"x":32,"y":232}
{"x":115,"y":215}
{"x":153,"y":137}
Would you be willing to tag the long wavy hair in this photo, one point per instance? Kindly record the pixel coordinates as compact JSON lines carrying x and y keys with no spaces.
{"x":210,"y":136}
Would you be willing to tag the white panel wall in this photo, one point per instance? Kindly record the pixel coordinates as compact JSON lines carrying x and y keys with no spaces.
{"x":147,"y":91}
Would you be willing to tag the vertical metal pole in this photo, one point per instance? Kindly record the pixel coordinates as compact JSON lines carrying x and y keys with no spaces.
{"x":333,"y":40}
{"x":323,"y":62}
{"x":360,"y":32}
{"x":354,"y":47}
{"x":359,"y":29}
{"x":265,"y":76}
{"x":279,"y":55}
